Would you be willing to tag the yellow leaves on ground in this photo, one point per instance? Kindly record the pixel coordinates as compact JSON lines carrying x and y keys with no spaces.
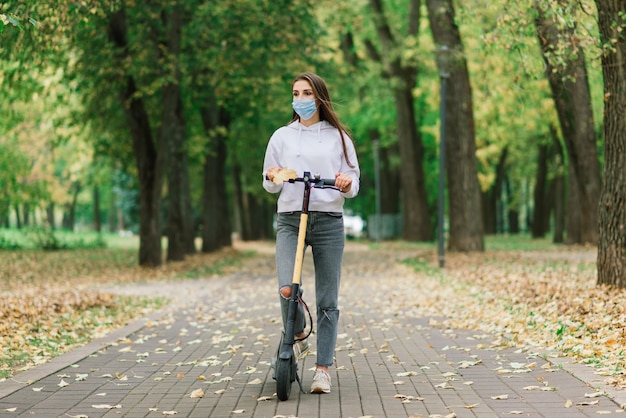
{"x":542,"y":298}
{"x":49,"y":302}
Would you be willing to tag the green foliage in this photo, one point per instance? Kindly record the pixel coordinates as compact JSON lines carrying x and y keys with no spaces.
{"x":61,"y":77}
{"x":8,"y":244}
{"x":45,"y":238}
{"x":517,"y":242}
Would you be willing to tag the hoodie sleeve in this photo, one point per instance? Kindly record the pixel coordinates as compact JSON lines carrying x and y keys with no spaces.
{"x":272,"y":159}
{"x":354,"y":172}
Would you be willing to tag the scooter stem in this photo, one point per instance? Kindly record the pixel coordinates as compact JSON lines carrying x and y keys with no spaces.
{"x":297,"y":267}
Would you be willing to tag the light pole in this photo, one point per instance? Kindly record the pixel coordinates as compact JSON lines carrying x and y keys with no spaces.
{"x":443,"y":65}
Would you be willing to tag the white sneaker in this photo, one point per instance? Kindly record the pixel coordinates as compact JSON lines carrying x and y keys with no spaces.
{"x":321,"y":382}
{"x":301,"y":349}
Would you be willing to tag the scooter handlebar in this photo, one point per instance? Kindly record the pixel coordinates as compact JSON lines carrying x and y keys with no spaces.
{"x":318,"y":183}
{"x":324,"y":183}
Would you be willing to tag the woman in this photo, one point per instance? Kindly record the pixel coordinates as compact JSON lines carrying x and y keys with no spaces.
{"x":314,"y":141}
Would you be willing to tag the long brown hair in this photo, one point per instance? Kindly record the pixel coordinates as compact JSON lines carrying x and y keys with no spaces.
{"x":326,"y":110}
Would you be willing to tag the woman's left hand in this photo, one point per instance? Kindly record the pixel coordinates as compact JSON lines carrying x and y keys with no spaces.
{"x":343,"y":182}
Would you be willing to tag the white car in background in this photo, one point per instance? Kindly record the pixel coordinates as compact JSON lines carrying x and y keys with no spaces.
{"x":353,"y":226}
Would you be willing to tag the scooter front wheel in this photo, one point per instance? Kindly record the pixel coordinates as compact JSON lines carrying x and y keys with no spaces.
{"x":284,"y":374}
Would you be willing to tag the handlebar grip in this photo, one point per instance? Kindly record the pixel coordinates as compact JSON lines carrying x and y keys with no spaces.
{"x":327,"y":182}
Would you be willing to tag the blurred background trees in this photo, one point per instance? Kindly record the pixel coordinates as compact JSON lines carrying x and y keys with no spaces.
{"x":153,"y":117}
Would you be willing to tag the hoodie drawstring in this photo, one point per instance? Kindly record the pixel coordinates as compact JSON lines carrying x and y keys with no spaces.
{"x":299,"y":139}
{"x":319,"y":136}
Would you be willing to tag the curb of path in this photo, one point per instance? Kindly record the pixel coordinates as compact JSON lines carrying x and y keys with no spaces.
{"x":586,"y":374}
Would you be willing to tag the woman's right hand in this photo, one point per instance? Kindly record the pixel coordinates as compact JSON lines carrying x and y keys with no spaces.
{"x":271,"y":172}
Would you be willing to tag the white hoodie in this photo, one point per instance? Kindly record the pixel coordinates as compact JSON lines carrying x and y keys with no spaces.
{"x":316,"y":149}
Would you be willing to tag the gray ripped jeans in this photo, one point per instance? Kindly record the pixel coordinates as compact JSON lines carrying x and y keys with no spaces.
{"x":326,"y":238}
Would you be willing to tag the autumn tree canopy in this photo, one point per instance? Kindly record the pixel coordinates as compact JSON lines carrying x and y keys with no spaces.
{"x":163,"y":109}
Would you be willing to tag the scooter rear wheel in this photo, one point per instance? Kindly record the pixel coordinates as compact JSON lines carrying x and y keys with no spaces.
{"x":284,"y":378}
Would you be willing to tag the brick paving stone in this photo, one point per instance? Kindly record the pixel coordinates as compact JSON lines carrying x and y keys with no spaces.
{"x":219,"y":335}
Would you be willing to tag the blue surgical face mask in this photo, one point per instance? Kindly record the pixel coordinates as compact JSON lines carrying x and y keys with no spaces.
{"x":305,"y":108}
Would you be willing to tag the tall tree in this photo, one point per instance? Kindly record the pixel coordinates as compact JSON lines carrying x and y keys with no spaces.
{"x":570,"y":90}
{"x":149,"y":161}
{"x":491,"y":198}
{"x":173,"y":137}
{"x":539,"y":225}
{"x":466,"y":229}
{"x":216,"y":219}
{"x":612,"y":211}
{"x":403,"y":75}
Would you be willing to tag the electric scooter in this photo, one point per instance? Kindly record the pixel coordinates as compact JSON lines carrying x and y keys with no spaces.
{"x":286,"y":365}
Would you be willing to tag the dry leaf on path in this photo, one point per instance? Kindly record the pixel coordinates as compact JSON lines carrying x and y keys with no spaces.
{"x":106,"y":406}
{"x":198,"y":393}
{"x":406,"y":374}
{"x":587,"y":403}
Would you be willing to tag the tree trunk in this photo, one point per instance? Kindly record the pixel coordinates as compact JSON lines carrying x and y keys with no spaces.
{"x":513,"y":212}
{"x":97,"y":220}
{"x":216,"y":223}
{"x":497,"y":189}
{"x":570,"y":90}
{"x":389,"y":181}
{"x":417,"y":226}
{"x":113,"y":213}
{"x":574,"y":211}
{"x":173,"y":138}
{"x":488,"y":208}
{"x":612,"y":211}
{"x":244,"y":219}
{"x":559,"y":189}
{"x":50,"y":216}
{"x":18,"y":217}
{"x":466,"y":229}
{"x":26,"y":214}
{"x":538,"y":229}
{"x":176,"y":162}
{"x":416,"y":220}
{"x":254,"y":215}
{"x":147,"y":157}
{"x":491,"y":199}
{"x":69,"y":215}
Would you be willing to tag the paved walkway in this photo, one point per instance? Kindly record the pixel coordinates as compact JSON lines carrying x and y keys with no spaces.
{"x":209,"y":355}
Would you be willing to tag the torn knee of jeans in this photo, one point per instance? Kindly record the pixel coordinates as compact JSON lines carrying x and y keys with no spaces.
{"x":285,"y":292}
{"x":332,"y":314}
